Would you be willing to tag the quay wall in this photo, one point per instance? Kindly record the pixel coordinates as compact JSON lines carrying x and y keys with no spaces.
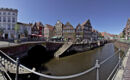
{"x":122,"y":45}
{"x":85,"y":47}
{"x":20,"y":49}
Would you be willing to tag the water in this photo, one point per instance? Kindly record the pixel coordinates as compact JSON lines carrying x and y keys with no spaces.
{"x":82,"y":61}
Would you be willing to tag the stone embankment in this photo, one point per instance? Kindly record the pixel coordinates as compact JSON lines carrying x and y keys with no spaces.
{"x":121,"y":45}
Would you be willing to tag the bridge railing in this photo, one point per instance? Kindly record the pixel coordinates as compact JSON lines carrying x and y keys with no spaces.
{"x":96,"y":67}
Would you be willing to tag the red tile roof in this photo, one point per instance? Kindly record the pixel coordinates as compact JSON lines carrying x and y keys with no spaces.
{"x":49,"y":26}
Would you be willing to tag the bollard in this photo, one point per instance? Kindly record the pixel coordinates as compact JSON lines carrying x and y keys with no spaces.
{"x":17,"y":69}
{"x":97,"y":67}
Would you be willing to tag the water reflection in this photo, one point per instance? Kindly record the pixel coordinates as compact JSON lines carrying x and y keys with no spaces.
{"x":78,"y":63}
{"x":82,"y":61}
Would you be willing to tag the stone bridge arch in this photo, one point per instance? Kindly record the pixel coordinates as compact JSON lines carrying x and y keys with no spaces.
{"x":36,"y":56}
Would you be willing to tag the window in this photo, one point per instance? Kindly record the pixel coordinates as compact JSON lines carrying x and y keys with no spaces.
{"x":0,"y":19}
{"x":13,"y":19}
{"x":4,"y":13}
{"x":4,"y":19}
{"x":8,"y":13}
{"x":9,"y":19}
{"x":13,"y":14}
{"x":8,"y":26}
{"x":13,"y":25}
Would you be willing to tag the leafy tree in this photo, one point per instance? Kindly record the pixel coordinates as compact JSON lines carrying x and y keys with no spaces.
{"x":25,"y":33}
{"x":1,"y":31}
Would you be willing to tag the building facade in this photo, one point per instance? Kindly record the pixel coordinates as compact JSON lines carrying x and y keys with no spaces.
{"x":127,"y":30}
{"x":84,"y":31}
{"x":95,"y":35}
{"x":79,"y":32}
{"x":87,"y":30}
{"x":38,"y":29}
{"x":68,"y":32}
{"x":48,"y":32}
{"x":58,"y":29}
{"x":23,"y":29}
{"x":8,"y":19}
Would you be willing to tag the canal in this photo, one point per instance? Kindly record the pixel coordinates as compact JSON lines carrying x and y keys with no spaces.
{"x":80,"y":62}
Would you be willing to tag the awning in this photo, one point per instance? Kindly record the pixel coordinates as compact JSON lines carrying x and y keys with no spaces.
{"x":36,"y":35}
{"x":54,"y":37}
{"x":33,"y":34}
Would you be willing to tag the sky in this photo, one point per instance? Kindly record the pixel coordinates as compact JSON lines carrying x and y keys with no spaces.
{"x":105,"y":15}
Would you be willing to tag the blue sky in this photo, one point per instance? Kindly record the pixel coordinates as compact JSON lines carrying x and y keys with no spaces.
{"x":105,"y":15}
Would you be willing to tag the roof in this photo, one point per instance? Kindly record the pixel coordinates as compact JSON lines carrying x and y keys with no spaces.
{"x":8,"y":9}
{"x":85,"y":23}
{"x":68,"y":26}
{"x":128,"y":23}
{"x":78,"y":26}
{"x":49,"y":26}
{"x":26,"y":24}
{"x":39,"y":24}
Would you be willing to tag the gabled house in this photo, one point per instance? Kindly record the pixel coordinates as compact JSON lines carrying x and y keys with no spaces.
{"x":38,"y":29}
{"x":58,"y":29}
{"x":68,"y":32}
{"x":127,"y":30}
{"x":87,"y":30}
{"x":79,"y":32}
{"x":84,"y":31}
{"x":48,"y":32}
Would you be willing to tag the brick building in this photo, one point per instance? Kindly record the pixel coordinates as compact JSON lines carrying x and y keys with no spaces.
{"x":37,"y":31}
{"x":48,"y":32}
{"x":84,"y":31}
{"x":127,"y":30}
{"x":68,"y":32}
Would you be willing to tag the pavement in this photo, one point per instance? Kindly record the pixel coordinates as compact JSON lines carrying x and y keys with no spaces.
{"x":6,"y":44}
{"x":124,"y":72}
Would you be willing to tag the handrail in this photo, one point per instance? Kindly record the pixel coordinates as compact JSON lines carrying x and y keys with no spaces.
{"x":113,"y":71}
{"x":59,"y":77}
{"x":108,"y":58}
{"x":62,"y":77}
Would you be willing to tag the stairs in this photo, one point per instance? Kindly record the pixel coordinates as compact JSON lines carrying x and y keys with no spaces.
{"x":63,"y":49}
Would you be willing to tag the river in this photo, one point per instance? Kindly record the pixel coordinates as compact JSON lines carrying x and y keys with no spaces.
{"x":80,"y":62}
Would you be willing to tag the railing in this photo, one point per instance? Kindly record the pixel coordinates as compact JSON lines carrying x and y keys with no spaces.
{"x":97,"y":66}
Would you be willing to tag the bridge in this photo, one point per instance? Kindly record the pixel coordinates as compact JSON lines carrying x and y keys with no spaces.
{"x":7,"y":64}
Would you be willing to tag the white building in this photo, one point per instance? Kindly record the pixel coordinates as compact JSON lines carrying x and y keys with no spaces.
{"x":8,"y":19}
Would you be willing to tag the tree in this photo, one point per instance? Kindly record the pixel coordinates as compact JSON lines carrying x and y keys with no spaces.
{"x":25,"y":33}
{"x":1,"y":31}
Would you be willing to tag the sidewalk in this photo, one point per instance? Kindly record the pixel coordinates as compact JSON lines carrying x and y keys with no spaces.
{"x":6,"y":44}
{"x":124,"y":72}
